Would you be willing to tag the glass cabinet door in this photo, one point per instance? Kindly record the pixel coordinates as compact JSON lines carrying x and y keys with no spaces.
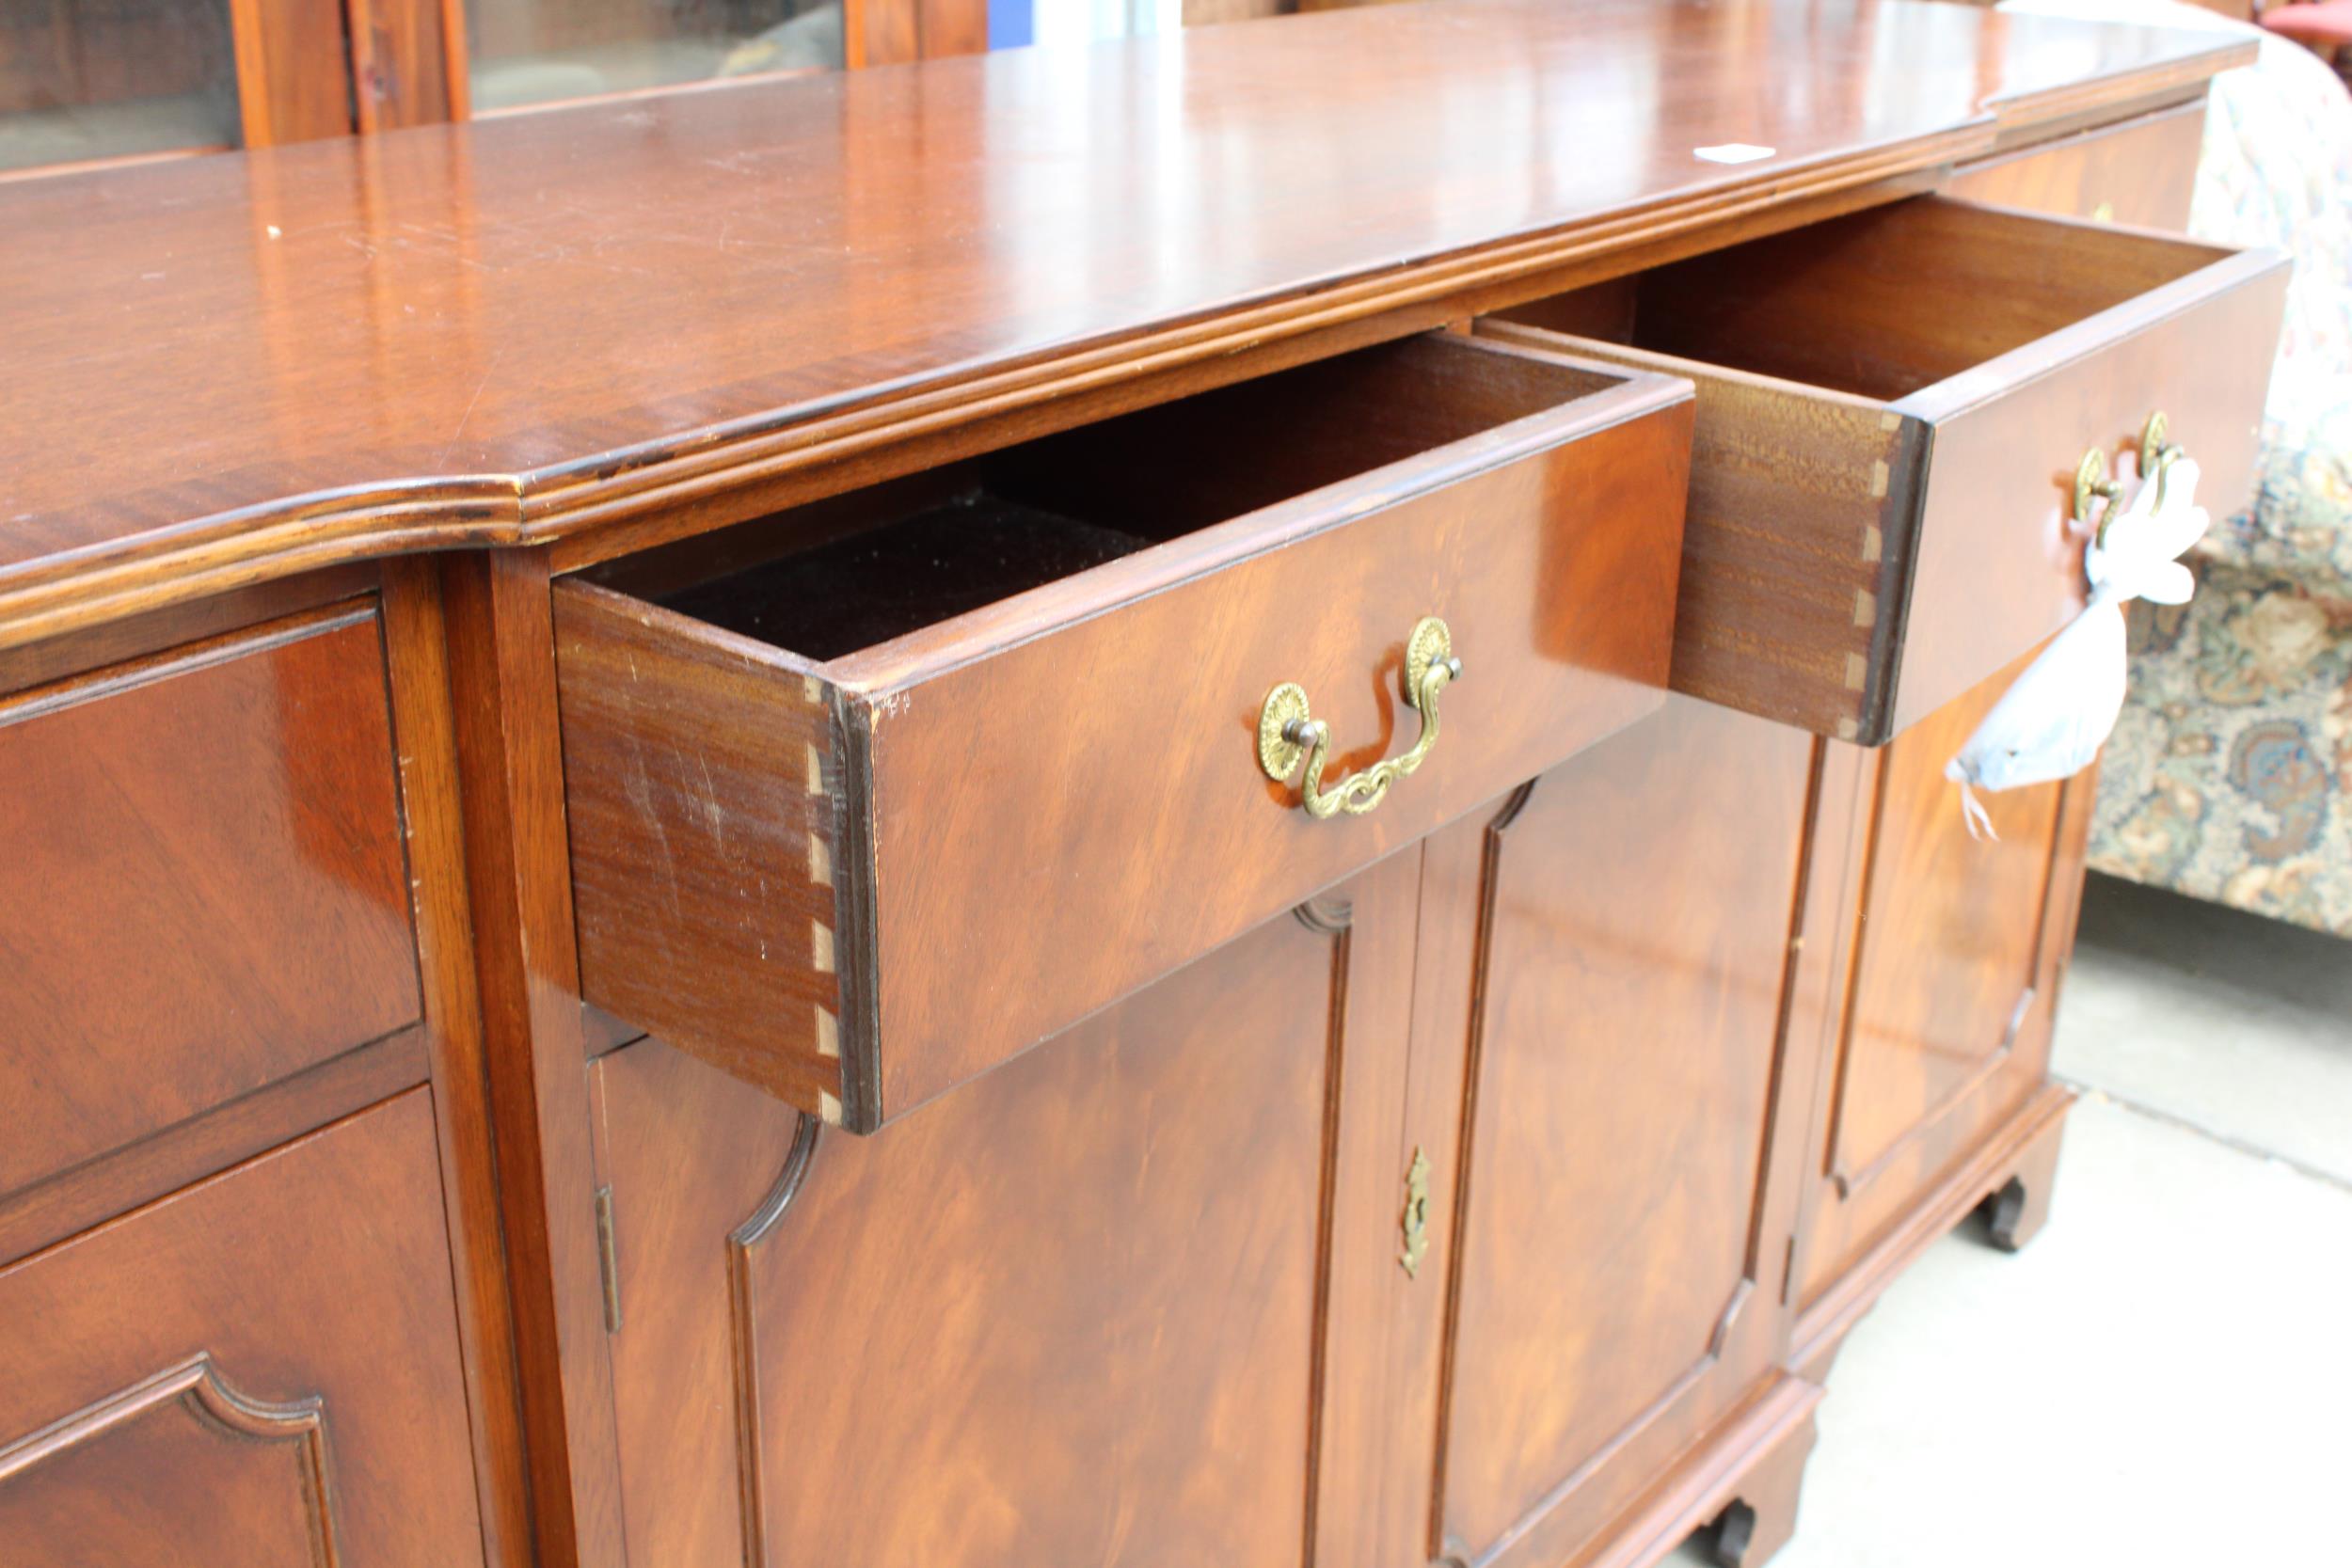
{"x":86,"y":80}
{"x":528,"y":53}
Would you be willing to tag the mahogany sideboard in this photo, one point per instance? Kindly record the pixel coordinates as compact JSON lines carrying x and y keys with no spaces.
{"x":1165,"y":805}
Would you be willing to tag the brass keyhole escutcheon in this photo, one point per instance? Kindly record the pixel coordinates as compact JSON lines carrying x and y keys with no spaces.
{"x":1414,"y":1221}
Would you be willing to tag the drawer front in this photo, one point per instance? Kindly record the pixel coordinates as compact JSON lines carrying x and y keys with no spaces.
{"x":262,"y":1369}
{"x":2142,"y":172}
{"x":202,"y":888}
{"x":1128,"y":819}
{"x":1997,"y":563}
{"x":899,"y":869}
{"x":1891,"y":409}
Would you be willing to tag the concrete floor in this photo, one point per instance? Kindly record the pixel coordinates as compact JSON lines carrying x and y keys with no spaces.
{"x":2164,"y":1378}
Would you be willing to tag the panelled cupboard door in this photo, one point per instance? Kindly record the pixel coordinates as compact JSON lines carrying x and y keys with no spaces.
{"x":1617,"y":1280}
{"x":261,"y":1372}
{"x":217,"y":831}
{"x":1111,"y":1303}
{"x":1954,"y":947}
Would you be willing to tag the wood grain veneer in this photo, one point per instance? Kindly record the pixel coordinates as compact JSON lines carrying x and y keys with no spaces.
{"x":416,"y":644}
{"x":202,"y":887}
{"x":390,"y":343}
{"x":74,"y":1200}
{"x":1624,"y":1031}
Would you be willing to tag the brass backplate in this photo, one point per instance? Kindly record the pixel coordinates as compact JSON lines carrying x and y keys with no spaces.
{"x":1277,"y":752}
{"x":1431,"y":644}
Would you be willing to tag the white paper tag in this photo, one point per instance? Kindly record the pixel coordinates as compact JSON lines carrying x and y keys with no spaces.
{"x":2054,"y":717}
{"x":1731,"y":152}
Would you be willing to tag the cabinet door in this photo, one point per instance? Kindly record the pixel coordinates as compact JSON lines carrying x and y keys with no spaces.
{"x":1618,"y":990}
{"x":1098,"y":1305}
{"x":262,"y":1371}
{"x":1953,"y":946}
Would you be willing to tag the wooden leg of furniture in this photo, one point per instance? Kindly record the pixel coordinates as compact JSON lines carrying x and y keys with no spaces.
{"x":2024,"y":1150}
{"x":1762,"y":1516}
{"x":2016,"y":1213}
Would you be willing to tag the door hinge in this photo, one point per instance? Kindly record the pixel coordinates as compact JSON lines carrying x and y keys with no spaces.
{"x":608,"y":1259}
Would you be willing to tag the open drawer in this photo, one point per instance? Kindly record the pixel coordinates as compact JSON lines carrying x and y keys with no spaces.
{"x":1892,"y":407}
{"x":871,"y":794}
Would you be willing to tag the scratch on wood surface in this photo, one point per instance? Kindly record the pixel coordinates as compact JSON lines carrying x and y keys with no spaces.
{"x":488,"y":371}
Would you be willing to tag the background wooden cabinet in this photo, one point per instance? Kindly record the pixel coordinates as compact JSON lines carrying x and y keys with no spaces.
{"x":86,"y":82}
{"x":100,"y":81}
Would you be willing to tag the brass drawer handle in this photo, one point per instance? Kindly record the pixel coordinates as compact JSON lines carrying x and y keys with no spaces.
{"x":1286,"y":732}
{"x":2091,"y":484}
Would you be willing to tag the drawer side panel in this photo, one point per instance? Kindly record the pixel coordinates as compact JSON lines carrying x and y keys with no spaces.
{"x":700,"y":786}
{"x":1793,"y":540}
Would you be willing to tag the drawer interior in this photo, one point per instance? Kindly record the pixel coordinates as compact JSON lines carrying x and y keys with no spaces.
{"x":839,"y":577}
{"x":1891,"y":408}
{"x":1880,"y":304}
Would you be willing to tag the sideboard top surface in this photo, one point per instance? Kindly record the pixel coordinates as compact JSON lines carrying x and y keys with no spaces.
{"x":230,"y":368}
